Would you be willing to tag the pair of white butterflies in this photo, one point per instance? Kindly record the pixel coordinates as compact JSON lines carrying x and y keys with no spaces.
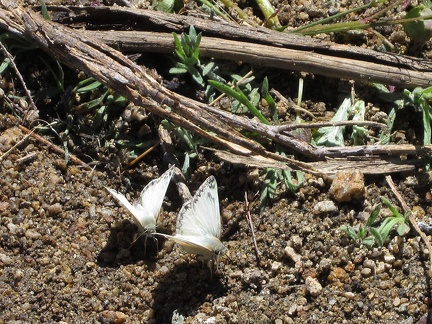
{"x":198,"y":227}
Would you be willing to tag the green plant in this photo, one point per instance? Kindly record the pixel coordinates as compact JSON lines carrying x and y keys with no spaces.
{"x":420,"y":29}
{"x":417,"y":23}
{"x":275,"y":177}
{"x":369,"y":235}
{"x":187,"y":51}
{"x":419,"y":99}
{"x":245,"y":97}
{"x":334,"y":135}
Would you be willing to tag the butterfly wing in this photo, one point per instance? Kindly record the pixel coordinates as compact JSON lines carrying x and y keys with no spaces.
{"x":191,"y":244}
{"x":201,"y":216}
{"x":122,"y":199}
{"x":152,"y":196}
{"x":146,"y":210}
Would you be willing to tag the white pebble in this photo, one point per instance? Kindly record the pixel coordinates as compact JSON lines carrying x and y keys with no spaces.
{"x":313,"y":286}
{"x":326,"y":206}
{"x":5,"y":259}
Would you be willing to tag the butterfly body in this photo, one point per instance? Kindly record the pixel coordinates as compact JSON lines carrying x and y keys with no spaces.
{"x":145,"y":210}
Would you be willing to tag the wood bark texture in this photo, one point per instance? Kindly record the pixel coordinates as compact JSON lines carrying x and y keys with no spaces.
{"x":77,"y":49}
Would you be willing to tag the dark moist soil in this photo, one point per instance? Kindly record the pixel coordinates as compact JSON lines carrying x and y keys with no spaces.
{"x":68,"y":251}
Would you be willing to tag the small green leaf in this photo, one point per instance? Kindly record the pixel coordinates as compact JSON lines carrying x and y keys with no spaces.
{"x":402,"y":229}
{"x":4,"y":65}
{"x":420,"y":30}
{"x":368,"y":241}
{"x":178,"y":70}
{"x":391,"y":207}
{"x":266,"y":95}
{"x":240,"y":96}
{"x":87,"y":85}
{"x":374,"y":215}
{"x":377,"y":236}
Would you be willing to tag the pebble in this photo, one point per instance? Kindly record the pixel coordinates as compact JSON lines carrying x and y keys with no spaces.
{"x":6,"y":260}
{"x":338,"y":275}
{"x":55,"y":209}
{"x":313,"y":286}
{"x":366,"y":272}
{"x":380,"y":268}
{"x":326,"y":206}
{"x":32,"y":234}
{"x":347,"y":186}
{"x":108,"y":316}
{"x":12,"y":228}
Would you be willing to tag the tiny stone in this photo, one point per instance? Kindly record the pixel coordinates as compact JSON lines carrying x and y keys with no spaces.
{"x":369,"y":264}
{"x":380,"y":268}
{"x":313,"y":286}
{"x":366,"y":272}
{"x":55,"y":209}
{"x":32,"y":234}
{"x":389,"y":258}
{"x":326,"y":206}
{"x":12,"y":228}
{"x":347,"y":186}
{"x":275,"y":266}
{"x":114,"y":317}
{"x":5,"y":259}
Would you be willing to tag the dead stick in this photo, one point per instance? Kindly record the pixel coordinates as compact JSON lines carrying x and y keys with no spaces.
{"x":55,"y":148}
{"x":249,"y":219}
{"x":12,"y":62}
{"x":411,"y":219}
{"x":289,"y":127}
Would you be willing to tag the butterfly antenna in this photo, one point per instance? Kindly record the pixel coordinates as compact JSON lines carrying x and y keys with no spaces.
{"x":136,"y":238}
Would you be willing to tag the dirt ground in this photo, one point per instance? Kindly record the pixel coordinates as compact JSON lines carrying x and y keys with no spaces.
{"x":68,"y":251}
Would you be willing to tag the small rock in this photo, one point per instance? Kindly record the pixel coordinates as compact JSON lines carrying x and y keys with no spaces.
{"x":389,"y":259}
{"x":32,"y":234}
{"x":108,"y":316}
{"x":366,"y":272}
{"x":338,"y":275}
{"x":55,"y":209}
{"x":6,"y":260}
{"x":12,"y":228}
{"x":275,"y":266}
{"x":326,"y":206}
{"x":368,"y":263}
{"x":347,"y":186}
{"x":313,"y":286}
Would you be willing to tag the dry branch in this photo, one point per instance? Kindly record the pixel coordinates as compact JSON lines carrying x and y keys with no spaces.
{"x":258,"y":46}
{"x":113,"y":69}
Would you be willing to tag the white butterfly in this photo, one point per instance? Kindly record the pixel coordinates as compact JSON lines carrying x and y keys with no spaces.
{"x":145,"y":211}
{"x":198,"y":227}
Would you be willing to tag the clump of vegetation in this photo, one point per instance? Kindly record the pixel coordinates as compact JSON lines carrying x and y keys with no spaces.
{"x":369,"y":235}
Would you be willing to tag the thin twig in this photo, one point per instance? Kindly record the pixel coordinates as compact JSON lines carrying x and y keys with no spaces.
{"x":249,"y":219}
{"x":142,"y":155}
{"x":18,"y":143}
{"x":411,"y":219}
{"x":170,"y":157}
{"x":54,"y":147}
{"x":247,"y":75}
{"x":291,"y":104}
{"x":12,"y":63}
{"x":293,"y":126}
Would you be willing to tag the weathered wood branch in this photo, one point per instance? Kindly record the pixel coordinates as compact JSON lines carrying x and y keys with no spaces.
{"x":258,"y":46}
{"x":117,"y":72}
